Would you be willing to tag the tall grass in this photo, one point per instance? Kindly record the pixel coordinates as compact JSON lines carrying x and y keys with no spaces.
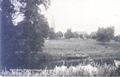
{"x":79,"y":70}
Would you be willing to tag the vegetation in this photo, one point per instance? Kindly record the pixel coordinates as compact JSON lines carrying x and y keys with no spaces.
{"x":79,"y":70}
{"x":68,"y":34}
{"x":93,"y":35}
{"x":105,"y":34}
{"x":23,"y":45}
{"x":81,"y":36}
{"x":65,"y":47}
{"x":51,"y":34}
{"x":22,"y":41}
{"x":75,"y":35}
{"x":59,"y":35}
{"x":117,"y":38}
{"x":74,"y":49}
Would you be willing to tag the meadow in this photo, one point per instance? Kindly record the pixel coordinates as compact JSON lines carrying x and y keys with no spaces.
{"x":79,"y":48}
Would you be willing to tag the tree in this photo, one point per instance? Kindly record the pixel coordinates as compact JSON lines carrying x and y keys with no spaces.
{"x":59,"y":35}
{"x":81,"y":36}
{"x":117,"y":38}
{"x":75,"y":35}
{"x":68,"y":34}
{"x":86,"y":35}
{"x":93,"y":35}
{"x":105,"y":34}
{"x":23,"y":41}
{"x":51,"y":34}
{"x":8,"y":32}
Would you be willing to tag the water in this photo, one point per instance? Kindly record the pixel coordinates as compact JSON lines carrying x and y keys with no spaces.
{"x":50,"y":64}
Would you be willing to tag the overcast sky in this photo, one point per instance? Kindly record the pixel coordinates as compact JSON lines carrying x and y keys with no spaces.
{"x":84,"y":15}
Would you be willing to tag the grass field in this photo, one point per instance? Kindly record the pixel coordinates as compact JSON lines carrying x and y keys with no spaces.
{"x":87,"y":47}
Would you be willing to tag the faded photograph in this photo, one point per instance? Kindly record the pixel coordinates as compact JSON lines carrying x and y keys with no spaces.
{"x":64,"y":38}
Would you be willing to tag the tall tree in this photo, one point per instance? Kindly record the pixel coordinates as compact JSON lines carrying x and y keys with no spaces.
{"x":22,"y":42}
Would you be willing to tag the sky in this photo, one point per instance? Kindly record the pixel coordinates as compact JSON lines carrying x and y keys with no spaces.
{"x":84,"y":15}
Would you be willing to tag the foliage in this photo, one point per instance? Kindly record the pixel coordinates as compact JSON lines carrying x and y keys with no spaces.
{"x":93,"y":35}
{"x":75,"y":35}
{"x":81,"y":36}
{"x":86,"y":36}
{"x":51,"y":34}
{"x":59,"y":34}
{"x":68,"y":34}
{"x":117,"y":38}
{"x":21,"y":42}
{"x":79,"y":70}
{"x":105,"y":34}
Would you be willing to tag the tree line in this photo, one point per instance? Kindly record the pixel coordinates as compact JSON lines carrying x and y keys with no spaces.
{"x":67,"y":35}
{"x":102,"y":34}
